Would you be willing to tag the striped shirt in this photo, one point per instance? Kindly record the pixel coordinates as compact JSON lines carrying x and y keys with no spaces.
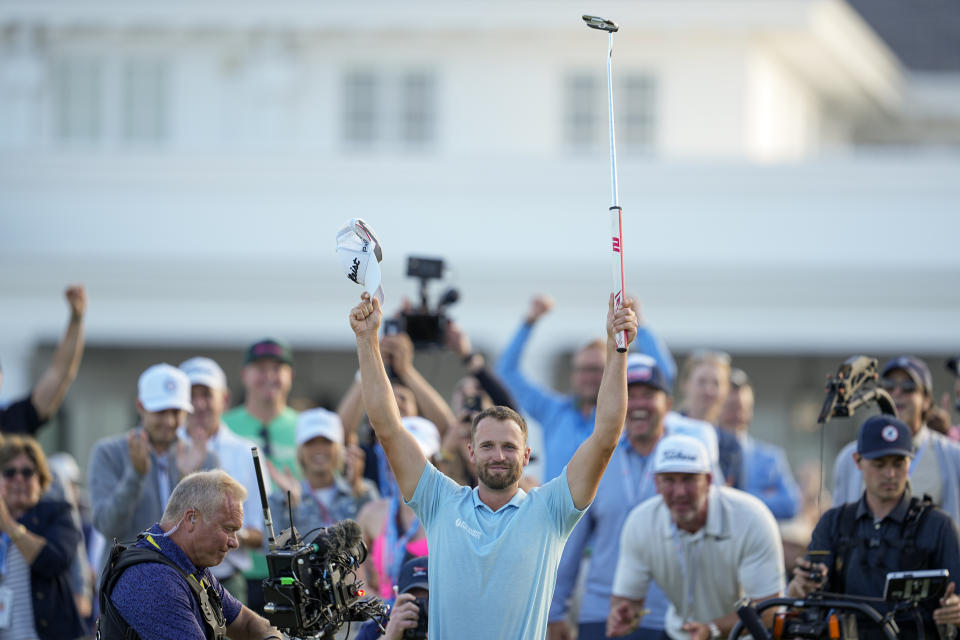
{"x":16,"y":577}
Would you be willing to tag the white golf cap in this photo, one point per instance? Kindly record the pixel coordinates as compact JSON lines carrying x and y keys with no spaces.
{"x":681,"y":454}
{"x":425,"y":432}
{"x":204,"y":372}
{"x":360,"y":255}
{"x":319,"y":423}
{"x":163,"y":387}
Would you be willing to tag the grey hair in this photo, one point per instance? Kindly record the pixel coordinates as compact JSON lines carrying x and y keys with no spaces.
{"x":205,"y":491}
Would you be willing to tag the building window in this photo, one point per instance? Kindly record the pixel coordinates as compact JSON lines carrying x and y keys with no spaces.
{"x":417,"y":109}
{"x":78,"y":89}
{"x":383,"y":109}
{"x":144,"y":97}
{"x":587,"y":122}
{"x":361,"y":104}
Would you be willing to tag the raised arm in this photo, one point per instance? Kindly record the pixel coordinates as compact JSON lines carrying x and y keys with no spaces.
{"x":404,"y":454}
{"x":399,"y":351}
{"x":53,"y":384}
{"x":588,"y":463}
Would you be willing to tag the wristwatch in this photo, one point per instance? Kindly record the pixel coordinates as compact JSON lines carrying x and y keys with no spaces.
{"x":714,"y":630}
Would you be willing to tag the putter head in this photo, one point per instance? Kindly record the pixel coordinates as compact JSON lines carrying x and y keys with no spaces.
{"x":595,"y":22}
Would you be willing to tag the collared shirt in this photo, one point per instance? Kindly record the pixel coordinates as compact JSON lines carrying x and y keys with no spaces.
{"x":627,"y":481}
{"x":156,"y":601}
{"x":766,"y":475}
{"x":878,"y":552}
{"x":277,"y":440}
{"x":737,"y":552}
{"x":492,"y":573}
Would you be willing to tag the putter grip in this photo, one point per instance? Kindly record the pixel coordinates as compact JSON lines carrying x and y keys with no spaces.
{"x":616,"y":232}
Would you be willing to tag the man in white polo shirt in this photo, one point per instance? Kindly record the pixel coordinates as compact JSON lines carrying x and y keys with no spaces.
{"x":210,"y":398}
{"x":705,"y":545}
{"x":494,"y":550}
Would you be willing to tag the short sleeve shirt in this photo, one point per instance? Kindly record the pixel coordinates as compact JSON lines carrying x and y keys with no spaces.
{"x":20,"y":417}
{"x":492,"y":573}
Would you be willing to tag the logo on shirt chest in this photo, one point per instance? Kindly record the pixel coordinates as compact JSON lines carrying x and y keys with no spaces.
{"x":463,"y":525}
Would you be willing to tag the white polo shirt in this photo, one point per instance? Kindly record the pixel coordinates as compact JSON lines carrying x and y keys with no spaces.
{"x":737,"y":553}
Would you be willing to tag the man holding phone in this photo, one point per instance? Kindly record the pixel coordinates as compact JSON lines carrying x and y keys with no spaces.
{"x":888,"y":529}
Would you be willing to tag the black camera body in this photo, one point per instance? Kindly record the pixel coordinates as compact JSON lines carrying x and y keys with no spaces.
{"x":420,"y":631}
{"x":425,"y":326}
{"x":311,"y":588}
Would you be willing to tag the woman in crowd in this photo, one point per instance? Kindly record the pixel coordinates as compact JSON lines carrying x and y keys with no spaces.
{"x":38,"y":543}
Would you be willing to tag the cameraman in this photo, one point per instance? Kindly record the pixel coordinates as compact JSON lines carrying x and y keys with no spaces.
{"x":886,"y":530}
{"x":408,"y":618}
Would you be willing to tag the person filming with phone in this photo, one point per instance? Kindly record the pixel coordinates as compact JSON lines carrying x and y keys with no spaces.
{"x":887,"y":530}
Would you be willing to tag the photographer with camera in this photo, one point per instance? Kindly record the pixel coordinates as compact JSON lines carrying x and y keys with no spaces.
{"x":887,"y":529}
{"x":408,"y":617}
{"x":162,"y":588}
{"x":494,"y":550}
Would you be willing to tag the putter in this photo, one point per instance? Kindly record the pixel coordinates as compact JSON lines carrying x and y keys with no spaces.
{"x":616,"y":213}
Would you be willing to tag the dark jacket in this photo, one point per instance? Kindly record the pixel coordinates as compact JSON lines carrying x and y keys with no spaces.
{"x":54,"y":610}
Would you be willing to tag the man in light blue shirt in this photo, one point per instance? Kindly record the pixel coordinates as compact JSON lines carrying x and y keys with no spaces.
{"x":627,"y":482}
{"x":765,"y":472}
{"x":494,"y":550}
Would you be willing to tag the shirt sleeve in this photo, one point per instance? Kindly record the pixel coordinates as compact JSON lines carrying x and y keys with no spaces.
{"x":539,"y":402}
{"x":20,"y":417}
{"x":761,"y":570}
{"x":560,"y":502}
{"x":632,"y":577}
{"x":781,"y":494}
{"x":432,"y":489}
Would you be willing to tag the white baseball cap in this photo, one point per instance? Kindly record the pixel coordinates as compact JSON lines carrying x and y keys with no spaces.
{"x":163,"y":387}
{"x":317,"y":423}
{"x":360,"y":255}
{"x":426,"y":433}
{"x":681,"y":454}
{"x":205,"y":372}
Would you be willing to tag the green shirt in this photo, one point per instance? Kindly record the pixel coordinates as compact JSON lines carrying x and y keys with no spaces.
{"x":282,"y":452}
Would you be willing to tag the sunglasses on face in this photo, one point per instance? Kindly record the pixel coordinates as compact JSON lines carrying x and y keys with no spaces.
{"x":906,"y":386}
{"x":25,"y":472}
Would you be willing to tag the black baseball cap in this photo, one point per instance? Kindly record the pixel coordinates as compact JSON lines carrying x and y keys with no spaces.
{"x":413,"y":574}
{"x":269,"y":348}
{"x":914,"y":367}
{"x":884,"y":436}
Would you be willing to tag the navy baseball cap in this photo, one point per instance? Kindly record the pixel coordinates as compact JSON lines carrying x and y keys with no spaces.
{"x":642,"y":369}
{"x":413,"y":574}
{"x":884,"y":436}
{"x":269,"y":348}
{"x":914,"y":367}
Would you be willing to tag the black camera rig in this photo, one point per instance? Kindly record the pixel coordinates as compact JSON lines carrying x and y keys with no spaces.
{"x":312,"y":588}
{"x":425,"y":326}
{"x":852,"y":386}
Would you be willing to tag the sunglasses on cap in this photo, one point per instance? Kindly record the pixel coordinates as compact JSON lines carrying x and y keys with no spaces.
{"x":906,"y":386}
{"x":25,"y":472}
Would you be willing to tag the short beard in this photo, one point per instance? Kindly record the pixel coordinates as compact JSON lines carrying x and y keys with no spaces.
{"x":501,"y":481}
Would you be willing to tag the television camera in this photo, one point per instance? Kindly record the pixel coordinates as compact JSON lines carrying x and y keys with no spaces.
{"x":852,"y":386}
{"x":425,"y":326}
{"x":312,"y":588}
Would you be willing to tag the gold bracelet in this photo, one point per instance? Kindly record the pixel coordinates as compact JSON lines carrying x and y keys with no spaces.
{"x":18,"y":533}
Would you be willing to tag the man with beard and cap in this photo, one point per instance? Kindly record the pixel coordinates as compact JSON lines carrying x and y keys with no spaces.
{"x":935,"y":467}
{"x":210,"y":397}
{"x":627,"y":482}
{"x":131,"y":476}
{"x":705,"y":545}
{"x":888,"y":528}
{"x":494,"y":550}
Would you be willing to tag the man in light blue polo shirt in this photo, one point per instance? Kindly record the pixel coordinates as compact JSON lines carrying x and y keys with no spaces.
{"x":494,"y":550}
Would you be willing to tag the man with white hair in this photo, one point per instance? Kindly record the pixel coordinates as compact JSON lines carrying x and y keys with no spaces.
{"x":162,"y":587}
{"x":210,"y":398}
{"x":324,"y":496}
{"x":705,"y":545}
{"x":131,"y":475}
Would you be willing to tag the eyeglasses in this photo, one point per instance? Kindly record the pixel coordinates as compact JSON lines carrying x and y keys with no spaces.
{"x":25,"y":472}
{"x":906,"y":386}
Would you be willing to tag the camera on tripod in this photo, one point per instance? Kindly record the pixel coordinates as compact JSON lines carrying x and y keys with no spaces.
{"x":425,"y":326}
